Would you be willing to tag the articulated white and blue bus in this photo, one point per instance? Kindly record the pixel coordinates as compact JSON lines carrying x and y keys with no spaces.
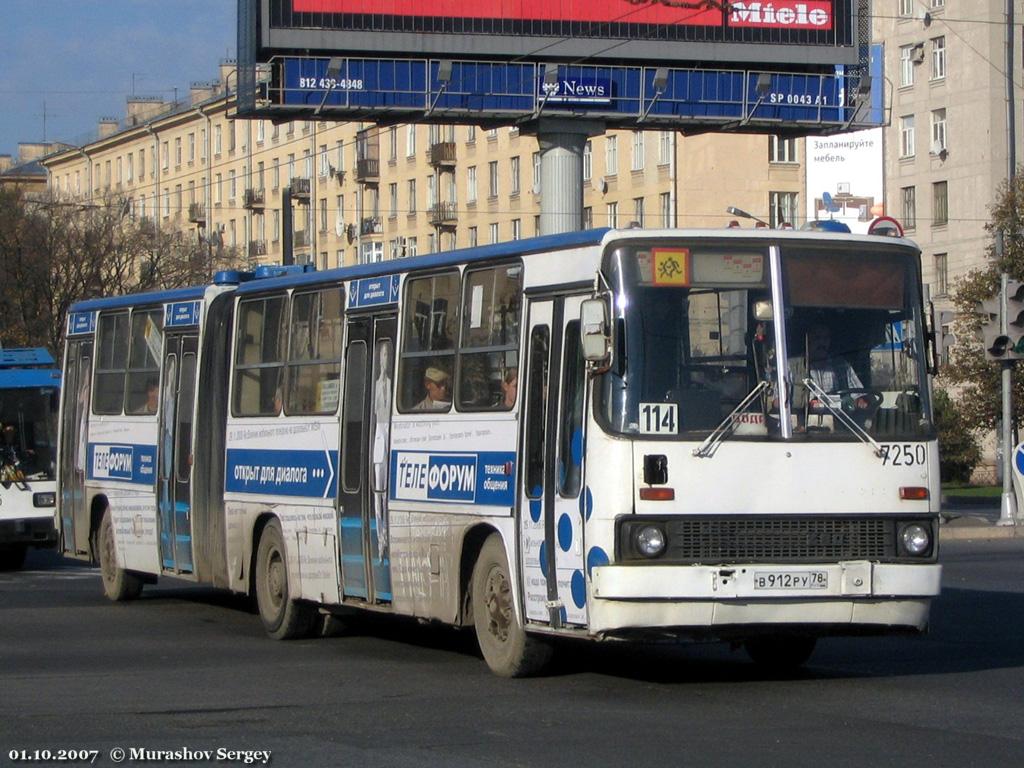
{"x":29,"y":393}
{"x":612,"y":434}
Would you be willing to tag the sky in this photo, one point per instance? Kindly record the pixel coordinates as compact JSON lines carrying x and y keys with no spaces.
{"x":80,"y":57}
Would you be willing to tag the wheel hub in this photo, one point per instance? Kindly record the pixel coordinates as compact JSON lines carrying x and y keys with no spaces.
{"x":498,"y":599}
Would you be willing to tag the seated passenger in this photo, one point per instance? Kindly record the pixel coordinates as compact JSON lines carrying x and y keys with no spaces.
{"x":436,"y":384}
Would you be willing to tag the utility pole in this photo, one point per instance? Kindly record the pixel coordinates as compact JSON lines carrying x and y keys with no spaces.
{"x":1008,"y":506}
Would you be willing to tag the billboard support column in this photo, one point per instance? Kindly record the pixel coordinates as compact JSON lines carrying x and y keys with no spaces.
{"x":561,"y":171}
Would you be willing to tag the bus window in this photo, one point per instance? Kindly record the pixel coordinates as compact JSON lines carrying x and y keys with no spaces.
{"x":489,"y":345}
{"x":429,"y":326}
{"x":352,"y":448}
{"x":314,"y":352}
{"x":111,"y":364}
{"x":259,"y":357}
{"x":537,"y":411}
{"x":144,"y":362}
{"x":570,"y":428}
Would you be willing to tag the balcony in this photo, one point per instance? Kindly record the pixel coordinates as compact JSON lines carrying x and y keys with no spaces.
{"x":300,"y":188}
{"x":302,"y":239}
{"x":197,"y":213}
{"x":253,"y":199}
{"x":257,"y":248}
{"x":368,"y":170}
{"x":443,"y":215}
{"x":371,"y":225}
{"x":442,"y":154}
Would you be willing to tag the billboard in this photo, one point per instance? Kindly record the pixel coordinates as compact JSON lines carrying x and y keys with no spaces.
{"x":844,"y":178}
{"x":799,"y":32}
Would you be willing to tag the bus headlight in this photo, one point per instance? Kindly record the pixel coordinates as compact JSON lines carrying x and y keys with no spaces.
{"x":44,"y":499}
{"x":649,"y":540}
{"x":916,"y":539}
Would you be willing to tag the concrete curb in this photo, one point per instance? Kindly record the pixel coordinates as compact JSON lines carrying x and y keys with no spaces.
{"x":949,"y":532}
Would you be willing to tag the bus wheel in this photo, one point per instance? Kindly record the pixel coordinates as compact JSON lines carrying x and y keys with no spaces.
{"x":12,"y":557}
{"x":780,"y":653}
{"x":118,"y":584}
{"x":283,"y":618}
{"x":505,"y":646}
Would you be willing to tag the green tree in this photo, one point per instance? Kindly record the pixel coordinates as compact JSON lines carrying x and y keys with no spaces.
{"x":959,"y":453}
{"x":976,"y":380}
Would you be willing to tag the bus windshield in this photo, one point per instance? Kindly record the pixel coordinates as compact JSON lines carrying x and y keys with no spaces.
{"x":695,"y":335}
{"x":29,"y":435}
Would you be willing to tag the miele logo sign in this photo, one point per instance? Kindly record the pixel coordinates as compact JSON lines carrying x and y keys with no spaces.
{"x":784,"y":14}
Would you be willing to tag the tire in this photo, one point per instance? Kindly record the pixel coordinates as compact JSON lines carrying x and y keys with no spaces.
{"x":12,"y":557}
{"x":118,"y":584}
{"x":282,"y":617}
{"x":505,"y":646}
{"x":780,"y":653}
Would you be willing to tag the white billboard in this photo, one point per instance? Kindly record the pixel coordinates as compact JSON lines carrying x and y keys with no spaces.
{"x":845,"y":178}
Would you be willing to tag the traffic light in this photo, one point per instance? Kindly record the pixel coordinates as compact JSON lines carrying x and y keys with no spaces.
{"x":945,"y":337}
{"x":999,"y":345}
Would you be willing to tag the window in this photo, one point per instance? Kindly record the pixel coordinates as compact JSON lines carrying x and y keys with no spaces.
{"x":536,"y":422}
{"x":570,"y":431}
{"x":410,"y":141}
{"x":638,"y":151}
{"x":232,"y":187}
{"x":782,"y":208}
{"x":940,"y":204}
{"x":638,"y":210}
{"x":393,"y":199}
{"x":906,"y":8}
{"x":353,"y":449}
{"x":536,"y":169}
{"x":473,"y":237}
{"x":339,"y":155}
{"x":907,"y":65}
{"x":492,"y":134}
{"x":664,"y":147}
{"x":314,"y":352}
{"x":277,"y":173}
{"x":471,"y":134}
{"x":517,"y":229}
{"x":781,"y":150}
{"x":430,"y":324}
{"x":324,"y":161}
{"x":258,"y":383}
{"x":908,"y":205}
{"x":588,"y":217}
{"x":323,"y":214}
{"x":165,"y":159}
{"x":938,"y":130}
{"x":177,"y":151}
{"x":216,"y":139}
{"x":231,"y":135}
{"x":410,"y":246}
{"x":489,"y":347}
{"x":471,"y":184}
{"x":941,"y":274}
{"x":612,"y":213}
{"x":665,"y":206}
{"x":588,"y":163}
{"x":134,"y":358}
{"x":907,"y":136}
{"x":938,"y":58}
{"x":611,"y":156}
{"x":514,"y":174}
{"x":392,"y":143}
{"x":431,"y":191}
{"x":192,"y":146}
{"x":412,"y":197}
{"x":261,"y":131}
{"x":492,"y":178}
{"x":493,"y":232}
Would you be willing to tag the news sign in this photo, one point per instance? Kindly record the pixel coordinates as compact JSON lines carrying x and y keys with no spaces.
{"x":806,"y":34}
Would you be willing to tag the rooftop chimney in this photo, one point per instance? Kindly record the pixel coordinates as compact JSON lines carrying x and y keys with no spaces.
{"x":139,"y":109}
{"x":200,"y":91}
{"x":108,"y":127}
{"x":5,"y":162}
{"x":228,"y":78}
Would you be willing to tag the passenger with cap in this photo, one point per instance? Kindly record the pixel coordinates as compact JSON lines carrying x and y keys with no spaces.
{"x":437,"y":385}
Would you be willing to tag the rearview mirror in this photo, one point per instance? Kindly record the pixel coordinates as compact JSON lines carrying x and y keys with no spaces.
{"x":594,"y":337}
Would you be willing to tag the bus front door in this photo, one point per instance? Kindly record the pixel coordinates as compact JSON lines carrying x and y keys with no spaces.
{"x":553,"y":499}
{"x":174,"y":449}
{"x":74,"y":448}
{"x":365,"y":444}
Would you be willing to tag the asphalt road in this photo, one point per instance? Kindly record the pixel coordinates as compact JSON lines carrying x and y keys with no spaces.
{"x":188,"y":668}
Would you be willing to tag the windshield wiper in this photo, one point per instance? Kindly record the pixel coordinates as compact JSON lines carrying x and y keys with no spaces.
{"x":723,"y":430}
{"x":845,"y":418}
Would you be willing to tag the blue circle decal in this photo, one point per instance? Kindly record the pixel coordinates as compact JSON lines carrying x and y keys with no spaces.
{"x":579,"y":589}
{"x":596,"y":557}
{"x":564,"y":532}
{"x":586,"y":503}
{"x":1020,"y":460}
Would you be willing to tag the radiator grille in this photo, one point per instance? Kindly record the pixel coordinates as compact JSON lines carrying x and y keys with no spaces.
{"x":777,"y":539}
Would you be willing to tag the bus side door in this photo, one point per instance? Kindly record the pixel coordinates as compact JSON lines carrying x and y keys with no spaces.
{"x":74,"y":441}
{"x":174,"y":441}
{"x":368,"y":375}
{"x":551,"y":515}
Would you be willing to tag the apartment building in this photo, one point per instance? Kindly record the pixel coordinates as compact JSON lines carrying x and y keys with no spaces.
{"x":362,"y":193}
{"x":947,"y":138}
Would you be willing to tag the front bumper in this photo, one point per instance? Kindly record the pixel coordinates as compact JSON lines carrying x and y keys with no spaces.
{"x":34,"y":531}
{"x":871,"y":596}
